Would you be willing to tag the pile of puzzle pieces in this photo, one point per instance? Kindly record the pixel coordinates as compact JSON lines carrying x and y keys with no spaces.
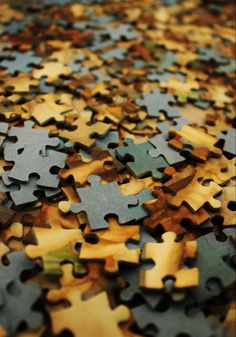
{"x":117,"y":168}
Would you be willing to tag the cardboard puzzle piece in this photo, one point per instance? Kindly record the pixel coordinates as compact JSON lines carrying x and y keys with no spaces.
{"x":196,"y":195}
{"x":101,"y":200}
{"x":139,"y":162}
{"x":157,"y":102}
{"x":48,"y":232}
{"x":13,"y":292}
{"x":181,"y":323}
{"x":84,"y":133}
{"x":202,"y":143}
{"x":84,"y":317}
{"x":169,"y":257}
{"x":98,"y":165}
{"x":171,"y":219}
{"x":111,"y":246}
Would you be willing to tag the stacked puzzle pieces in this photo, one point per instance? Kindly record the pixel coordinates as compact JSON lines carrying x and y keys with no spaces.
{"x":117,"y":168}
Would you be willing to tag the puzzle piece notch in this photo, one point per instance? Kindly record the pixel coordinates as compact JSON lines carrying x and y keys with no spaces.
{"x":169,"y":258}
{"x":101,"y":200}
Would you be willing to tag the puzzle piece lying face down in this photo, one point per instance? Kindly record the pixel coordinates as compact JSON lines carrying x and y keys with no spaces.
{"x":101,"y":200}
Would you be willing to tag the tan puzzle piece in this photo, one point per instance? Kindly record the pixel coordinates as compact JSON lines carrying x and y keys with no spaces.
{"x":71,"y":196}
{"x":68,"y":283}
{"x":84,"y":132}
{"x":3,"y":249}
{"x":21,"y":83}
{"x":80,"y":171}
{"x":213,"y":169}
{"x":15,"y":230}
{"x":196,"y":195}
{"x":90,"y":318}
{"x":51,"y":239}
{"x":52,"y":70}
{"x":111,"y":246}
{"x":198,"y":138}
{"x":49,"y":107}
{"x":169,"y":257}
{"x":229,"y":216}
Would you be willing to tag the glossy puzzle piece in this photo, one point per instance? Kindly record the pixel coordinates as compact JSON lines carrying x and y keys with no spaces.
{"x":169,"y":257}
{"x":100,"y":200}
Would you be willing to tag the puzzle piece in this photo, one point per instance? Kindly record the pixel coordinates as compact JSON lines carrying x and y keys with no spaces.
{"x":20,"y":62}
{"x":49,"y":107}
{"x":13,"y":293}
{"x":80,"y":171}
{"x":203,"y":144}
{"x":52,"y":261}
{"x":101,"y":200}
{"x":52,"y":236}
{"x":138,"y":160}
{"x":110,"y":246}
{"x":171,"y":219}
{"x":161,"y":148}
{"x":169,"y":258}
{"x":25,"y":193}
{"x":228,"y":213}
{"x":157,"y":102}
{"x":84,"y":133}
{"x":28,"y":138}
{"x":23,"y":83}
{"x":215,"y":169}
{"x":213,"y":251}
{"x":193,"y":325}
{"x":179,"y":180}
{"x":211,"y":54}
{"x":229,"y":141}
{"x":85,"y":317}
{"x":3,"y":132}
{"x":51,"y":70}
{"x":33,"y":143}
{"x":120,"y":31}
{"x":196,"y":195}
